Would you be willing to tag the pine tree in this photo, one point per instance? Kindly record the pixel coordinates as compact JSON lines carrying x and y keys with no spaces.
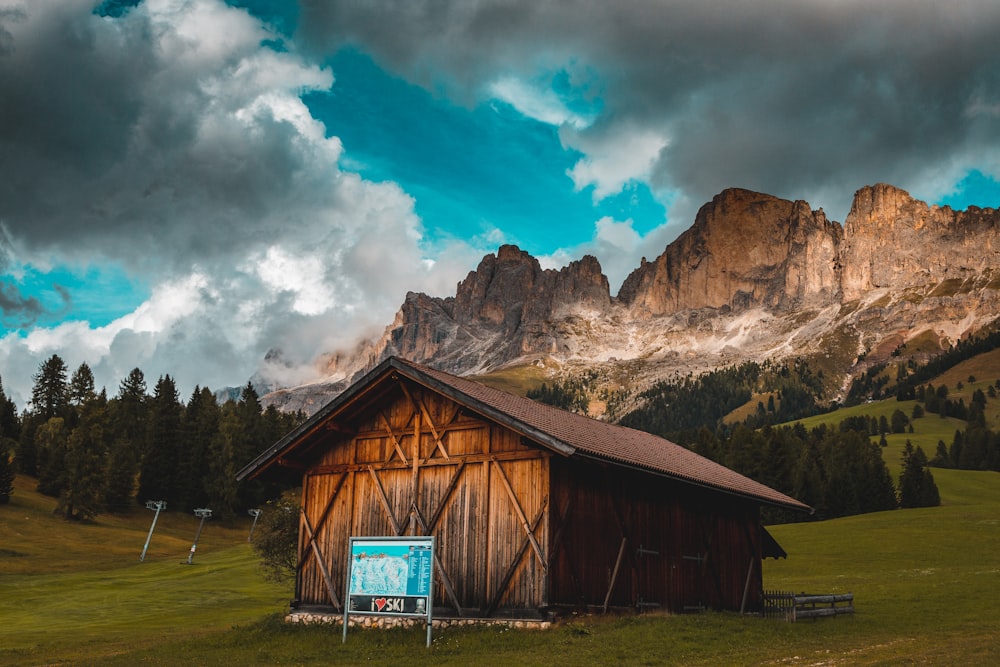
{"x":49,"y":400}
{"x":128,"y":417}
{"x":82,"y":496}
{"x":250,"y":441}
{"x":10,"y":424}
{"x":941,"y":458}
{"x":223,"y":491}
{"x":81,"y":386}
{"x":808,"y":481}
{"x":200,"y":424}
{"x":51,"y":439}
{"x":27,"y":451}
{"x":6,"y":473}
{"x":122,"y":468}
{"x":159,"y":477}
{"x":916,"y":483}
{"x":10,"y":428}
{"x":50,"y":394}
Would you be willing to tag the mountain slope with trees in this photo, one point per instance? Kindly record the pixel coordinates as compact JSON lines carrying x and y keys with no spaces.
{"x":95,"y":454}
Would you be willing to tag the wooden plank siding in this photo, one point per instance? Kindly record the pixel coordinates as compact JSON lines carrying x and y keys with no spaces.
{"x":416,"y":463}
{"x":684,"y":548}
{"x":532,"y":507}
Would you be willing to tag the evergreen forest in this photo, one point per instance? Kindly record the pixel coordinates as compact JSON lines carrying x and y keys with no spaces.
{"x":94,"y":454}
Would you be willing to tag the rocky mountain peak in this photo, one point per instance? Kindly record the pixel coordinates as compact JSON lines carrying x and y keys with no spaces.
{"x":745,"y":249}
{"x":898,"y":242}
{"x":755,"y":277}
{"x":503,"y":310}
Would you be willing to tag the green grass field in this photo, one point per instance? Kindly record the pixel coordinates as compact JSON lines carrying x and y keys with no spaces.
{"x":927,"y":587}
{"x":76,"y":592}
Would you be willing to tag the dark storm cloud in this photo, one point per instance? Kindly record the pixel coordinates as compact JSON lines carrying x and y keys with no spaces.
{"x":801,"y":99}
{"x":15,"y":308}
{"x":151,"y":138}
{"x":171,"y":140}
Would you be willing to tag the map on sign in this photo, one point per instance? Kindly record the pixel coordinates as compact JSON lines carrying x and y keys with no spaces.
{"x":390,"y":575}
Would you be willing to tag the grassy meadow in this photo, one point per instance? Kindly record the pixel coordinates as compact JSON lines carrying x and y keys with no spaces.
{"x":926,"y":585}
{"x":76,"y":593}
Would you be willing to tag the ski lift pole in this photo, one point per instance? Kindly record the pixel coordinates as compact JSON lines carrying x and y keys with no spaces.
{"x":204,"y":513}
{"x":256,"y":515}
{"x":152,"y":505}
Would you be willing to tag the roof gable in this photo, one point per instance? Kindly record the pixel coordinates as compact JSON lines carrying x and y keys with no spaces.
{"x":563,"y":432}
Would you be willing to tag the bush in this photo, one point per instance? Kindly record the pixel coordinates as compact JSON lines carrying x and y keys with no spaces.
{"x":277,"y":536}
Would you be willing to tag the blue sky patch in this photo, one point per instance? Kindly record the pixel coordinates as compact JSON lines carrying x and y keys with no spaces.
{"x":470,"y":170}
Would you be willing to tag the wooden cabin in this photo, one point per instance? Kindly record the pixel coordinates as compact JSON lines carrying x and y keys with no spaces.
{"x":533,"y":508}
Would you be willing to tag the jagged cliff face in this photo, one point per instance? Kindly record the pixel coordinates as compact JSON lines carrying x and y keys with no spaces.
{"x":896,"y":242}
{"x":755,"y":277}
{"x":501,"y":311}
{"x":744,"y":250}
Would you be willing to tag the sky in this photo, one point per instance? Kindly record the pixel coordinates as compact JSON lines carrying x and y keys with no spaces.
{"x":224,"y":190}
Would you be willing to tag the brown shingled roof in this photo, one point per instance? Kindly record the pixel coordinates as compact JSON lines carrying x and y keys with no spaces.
{"x":565,"y":432}
{"x":613,"y":443}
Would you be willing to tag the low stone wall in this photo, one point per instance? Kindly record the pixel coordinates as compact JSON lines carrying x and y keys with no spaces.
{"x":385,"y":622}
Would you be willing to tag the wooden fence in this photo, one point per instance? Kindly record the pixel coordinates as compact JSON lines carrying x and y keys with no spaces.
{"x":793,"y":606}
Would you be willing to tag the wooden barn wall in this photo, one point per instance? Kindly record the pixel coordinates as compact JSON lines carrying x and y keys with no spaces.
{"x":676,"y":547}
{"x":417,"y":464}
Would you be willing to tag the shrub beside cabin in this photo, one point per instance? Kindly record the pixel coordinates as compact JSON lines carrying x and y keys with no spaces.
{"x":533,"y":508}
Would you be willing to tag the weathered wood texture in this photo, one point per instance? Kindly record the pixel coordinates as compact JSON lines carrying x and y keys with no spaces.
{"x":675,"y":546}
{"x":517,"y":527}
{"x":792,"y":607}
{"x":417,"y":464}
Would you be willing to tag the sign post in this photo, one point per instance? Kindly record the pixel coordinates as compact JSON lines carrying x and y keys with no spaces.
{"x":391,"y":576}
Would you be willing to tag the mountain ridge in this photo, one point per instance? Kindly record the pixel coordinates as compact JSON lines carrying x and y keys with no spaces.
{"x":754,"y":277}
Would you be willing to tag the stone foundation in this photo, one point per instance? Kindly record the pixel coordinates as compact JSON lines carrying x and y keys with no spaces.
{"x":385,"y":622}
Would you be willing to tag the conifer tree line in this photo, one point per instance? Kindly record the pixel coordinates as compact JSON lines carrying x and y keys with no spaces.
{"x":975,"y":448}
{"x":838,"y":471}
{"x":96,"y":454}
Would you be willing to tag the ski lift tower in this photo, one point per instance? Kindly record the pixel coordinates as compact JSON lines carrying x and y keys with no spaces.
{"x":256,"y":515}
{"x":152,"y":505}
{"x":202,"y":513}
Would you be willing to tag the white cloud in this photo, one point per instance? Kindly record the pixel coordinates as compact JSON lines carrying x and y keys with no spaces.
{"x":541,"y":104}
{"x":618,"y":246}
{"x":303,"y":276}
{"x":195,"y":164}
{"x":612,"y":160}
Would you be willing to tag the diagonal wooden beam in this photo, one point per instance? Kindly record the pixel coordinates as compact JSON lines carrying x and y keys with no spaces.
{"x":614,"y":574}
{"x":385,"y":501}
{"x":446,"y":497}
{"x":453,"y":410}
{"x":516,"y":562}
{"x":321,"y":562}
{"x":438,"y":567}
{"x":557,"y":538}
{"x":395,"y":441}
{"x":322,"y":518}
{"x":520,"y":514}
{"x":557,"y":544}
{"x":419,"y":405}
{"x":624,"y":530}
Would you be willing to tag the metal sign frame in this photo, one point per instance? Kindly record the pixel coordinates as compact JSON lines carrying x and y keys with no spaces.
{"x":390,"y":576}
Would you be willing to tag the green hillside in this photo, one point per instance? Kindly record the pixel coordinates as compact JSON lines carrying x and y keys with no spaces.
{"x":77,"y":591}
{"x":927,"y":430}
{"x":925,"y":581}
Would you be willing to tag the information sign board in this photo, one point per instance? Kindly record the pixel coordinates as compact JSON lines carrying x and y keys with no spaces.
{"x":390,"y":576}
